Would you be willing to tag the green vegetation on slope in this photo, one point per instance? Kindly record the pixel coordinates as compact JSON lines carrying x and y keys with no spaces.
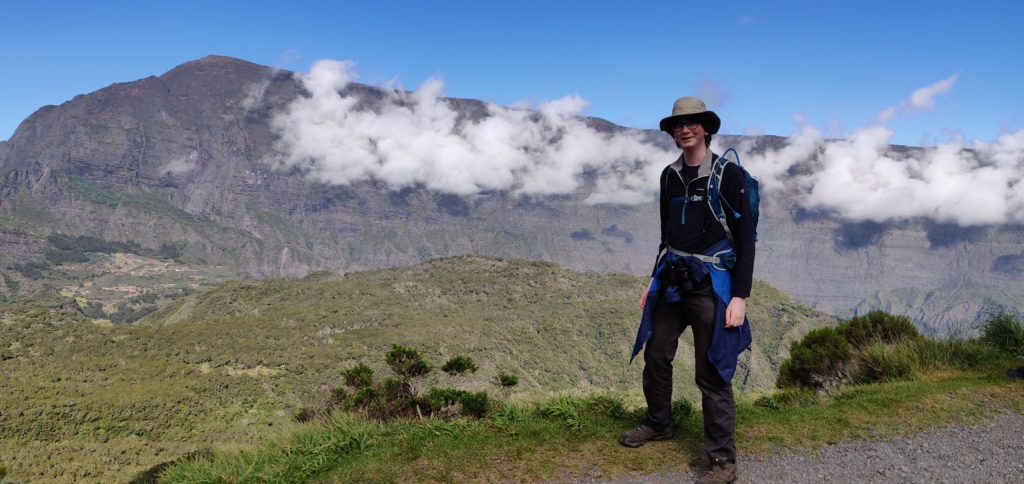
{"x":229,"y":366}
{"x":532,"y":442}
{"x":577,"y":435}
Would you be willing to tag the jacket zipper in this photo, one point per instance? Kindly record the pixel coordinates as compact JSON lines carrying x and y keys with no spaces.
{"x":686,"y":192}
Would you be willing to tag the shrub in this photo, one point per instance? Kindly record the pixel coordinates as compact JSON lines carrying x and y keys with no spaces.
{"x":609,"y":407}
{"x":510,"y":414}
{"x":682,"y":409}
{"x":885,"y":362}
{"x":818,"y":358}
{"x":506,"y":380}
{"x":439,"y":398}
{"x":475,"y":404}
{"x":365,"y":396}
{"x":389,"y":399}
{"x":394,"y":389}
{"x":861,"y":331}
{"x":171,"y":250}
{"x":359,"y":376}
{"x":31,"y":270}
{"x":459,"y":365}
{"x":793,"y":398}
{"x":563,"y":409}
{"x":1005,"y":333}
{"x":129,"y":314}
{"x":339,"y":397}
{"x":407,"y":362}
{"x":94,"y":310}
{"x":304,"y":415}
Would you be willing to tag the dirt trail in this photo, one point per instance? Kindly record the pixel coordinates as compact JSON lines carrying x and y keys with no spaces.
{"x":991,"y":453}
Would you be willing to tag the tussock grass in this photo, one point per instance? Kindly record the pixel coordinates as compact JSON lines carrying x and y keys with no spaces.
{"x":571,"y":436}
{"x":1005,"y":333}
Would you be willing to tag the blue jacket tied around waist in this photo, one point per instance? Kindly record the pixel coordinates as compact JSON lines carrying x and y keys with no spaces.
{"x":726,"y":343}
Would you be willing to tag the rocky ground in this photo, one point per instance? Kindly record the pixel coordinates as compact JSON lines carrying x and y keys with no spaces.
{"x":991,"y":453}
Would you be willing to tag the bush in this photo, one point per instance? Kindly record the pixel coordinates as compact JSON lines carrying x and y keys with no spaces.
{"x":31,"y":270}
{"x":795,"y":398}
{"x":365,"y":396}
{"x":171,"y":250}
{"x":818,"y":358}
{"x":359,"y":376}
{"x":130,"y":314}
{"x":563,"y":409}
{"x":1005,"y":333}
{"x":863,"y":330}
{"x":886,"y":362}
{"x":475,"y":404}
{"x":339,"y":397}
{"x":506,"y":380}
{"x":94,"y":310}
{"x":609,"y":407}
{"x":682,"y":409}
{"x":439,"y":398}
{"x":304,"y":415}
{"x":407,"y":362}
{"x":459,"y":365}
{"x":395,"y":389}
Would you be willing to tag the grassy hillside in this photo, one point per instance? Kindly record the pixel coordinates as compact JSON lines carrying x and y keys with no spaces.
{"x":88,"y":400}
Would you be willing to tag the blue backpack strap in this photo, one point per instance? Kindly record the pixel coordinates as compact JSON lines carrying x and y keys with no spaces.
{"x":715,"y":199}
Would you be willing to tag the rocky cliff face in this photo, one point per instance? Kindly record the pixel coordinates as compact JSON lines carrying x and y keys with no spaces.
{"x":183,"y":158}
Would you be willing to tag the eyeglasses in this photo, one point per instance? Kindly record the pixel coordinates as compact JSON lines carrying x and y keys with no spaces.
{"x":686,"y":123}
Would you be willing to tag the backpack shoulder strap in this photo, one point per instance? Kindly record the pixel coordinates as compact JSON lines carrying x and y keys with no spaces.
{"x":715,"y":191}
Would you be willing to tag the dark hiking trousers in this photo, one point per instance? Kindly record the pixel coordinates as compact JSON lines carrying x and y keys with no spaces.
{"x":696,"y":310}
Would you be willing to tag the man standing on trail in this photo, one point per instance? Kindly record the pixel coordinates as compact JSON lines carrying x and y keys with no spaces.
{"x":702,"y":279}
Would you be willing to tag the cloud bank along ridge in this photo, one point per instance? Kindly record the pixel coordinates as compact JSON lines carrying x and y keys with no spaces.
{"x":861,"y":179}
{"x":417,"y":138}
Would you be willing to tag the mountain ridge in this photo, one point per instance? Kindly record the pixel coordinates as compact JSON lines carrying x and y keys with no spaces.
{"x":182,"y":158}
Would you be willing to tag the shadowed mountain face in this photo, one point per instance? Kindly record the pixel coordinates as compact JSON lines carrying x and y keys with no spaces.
{"x":182,"y":158}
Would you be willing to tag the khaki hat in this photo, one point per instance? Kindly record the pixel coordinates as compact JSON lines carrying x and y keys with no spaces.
{"x":692,"y":107}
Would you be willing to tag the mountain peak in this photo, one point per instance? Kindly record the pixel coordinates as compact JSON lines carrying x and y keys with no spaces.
{"x":219,"y":66}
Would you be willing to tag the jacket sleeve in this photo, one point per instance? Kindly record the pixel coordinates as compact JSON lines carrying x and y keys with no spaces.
{"x":734,"y":191}
{"x":663,"y":209}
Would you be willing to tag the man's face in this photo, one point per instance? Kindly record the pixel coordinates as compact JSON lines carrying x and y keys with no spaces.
{"x":688,"y":133}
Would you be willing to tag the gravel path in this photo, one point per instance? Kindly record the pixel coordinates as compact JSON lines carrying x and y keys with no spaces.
{"x":989,"y":453}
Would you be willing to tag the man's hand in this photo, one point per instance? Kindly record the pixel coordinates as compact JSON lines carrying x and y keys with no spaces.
{"x":643,"y":297}
{"x":735,"y":312}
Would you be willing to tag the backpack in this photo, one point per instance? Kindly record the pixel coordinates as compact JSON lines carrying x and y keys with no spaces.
{"x":715,"y":199}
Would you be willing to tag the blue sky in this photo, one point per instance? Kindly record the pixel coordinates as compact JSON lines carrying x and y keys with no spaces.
{"x":764,"y":68}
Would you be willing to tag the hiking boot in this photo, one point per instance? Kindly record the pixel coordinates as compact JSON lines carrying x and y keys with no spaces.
{"x":718,"y":472}
{"x":643,"y":434}
{"x":1016,"y":373}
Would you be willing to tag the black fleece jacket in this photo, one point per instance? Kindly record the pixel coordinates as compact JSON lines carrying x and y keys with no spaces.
{"x":687,"y":223}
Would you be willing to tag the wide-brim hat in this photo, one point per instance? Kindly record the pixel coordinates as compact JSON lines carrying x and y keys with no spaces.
{"x":692,"y":108}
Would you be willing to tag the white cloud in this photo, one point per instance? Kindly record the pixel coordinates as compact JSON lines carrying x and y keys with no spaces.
{"x":860,"y":179}
{"x":923,"y":98}
{"x":253,"y":94}
{"x":714,"y":94}
{"x":180,"y":166}
{"x":418,"y":138}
